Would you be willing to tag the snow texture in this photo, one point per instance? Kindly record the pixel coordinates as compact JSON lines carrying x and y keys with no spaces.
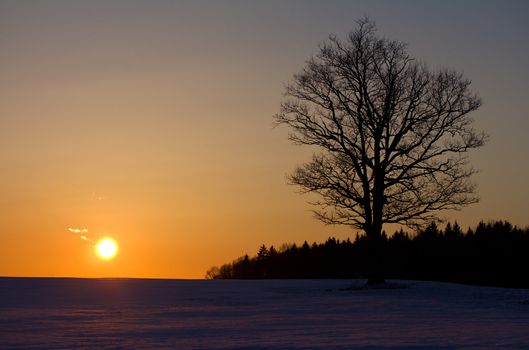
{"x":265,"y":314}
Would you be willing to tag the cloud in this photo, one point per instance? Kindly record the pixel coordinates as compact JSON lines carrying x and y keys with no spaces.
{"x":78,"y":230}
{"x":97,"y":196}
{"x":83,"y":233}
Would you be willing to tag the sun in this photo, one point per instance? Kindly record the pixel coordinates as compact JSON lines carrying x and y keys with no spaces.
{"x":106,"y":248}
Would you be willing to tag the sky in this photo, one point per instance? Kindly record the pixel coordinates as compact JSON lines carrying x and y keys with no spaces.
{"x":152,"y":122}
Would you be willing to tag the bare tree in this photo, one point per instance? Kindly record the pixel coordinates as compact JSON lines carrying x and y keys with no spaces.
{"x":393,"y":134}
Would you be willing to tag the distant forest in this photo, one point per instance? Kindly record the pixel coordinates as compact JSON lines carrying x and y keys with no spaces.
{"x":495,"y":254}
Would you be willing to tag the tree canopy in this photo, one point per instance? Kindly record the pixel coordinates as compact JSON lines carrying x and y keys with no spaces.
{"x":392,"y":134}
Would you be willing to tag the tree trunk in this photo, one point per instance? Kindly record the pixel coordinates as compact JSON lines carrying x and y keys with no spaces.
{"x":375,"y":240}
{"x":376,"y":269}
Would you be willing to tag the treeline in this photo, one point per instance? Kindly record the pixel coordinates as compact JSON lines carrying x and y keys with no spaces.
{"x":495,"y":253}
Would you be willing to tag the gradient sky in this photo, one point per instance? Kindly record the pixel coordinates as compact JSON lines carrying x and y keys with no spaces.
{"x":151,"y":122}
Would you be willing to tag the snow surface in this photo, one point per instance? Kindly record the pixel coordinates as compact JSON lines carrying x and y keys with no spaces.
{"x":266,"y":314}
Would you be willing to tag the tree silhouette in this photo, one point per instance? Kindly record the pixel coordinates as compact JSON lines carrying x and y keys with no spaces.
{"x":495,"y":255}
{"x":392,"y":135}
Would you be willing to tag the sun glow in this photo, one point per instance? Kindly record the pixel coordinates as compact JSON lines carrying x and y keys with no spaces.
{"x":106,"y":248}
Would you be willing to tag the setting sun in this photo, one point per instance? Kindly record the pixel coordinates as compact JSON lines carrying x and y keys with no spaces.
{"x":106,"y":248}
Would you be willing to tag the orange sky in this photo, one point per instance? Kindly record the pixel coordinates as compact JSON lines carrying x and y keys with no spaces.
{"x":151,"y":122}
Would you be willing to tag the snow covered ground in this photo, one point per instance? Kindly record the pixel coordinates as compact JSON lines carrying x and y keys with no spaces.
{"x":292,"y":314}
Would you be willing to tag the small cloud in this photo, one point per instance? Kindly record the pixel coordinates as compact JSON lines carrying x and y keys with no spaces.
{"x":78,"y":230}
{"x":82,"y":233}
{"x":97,"y":196}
